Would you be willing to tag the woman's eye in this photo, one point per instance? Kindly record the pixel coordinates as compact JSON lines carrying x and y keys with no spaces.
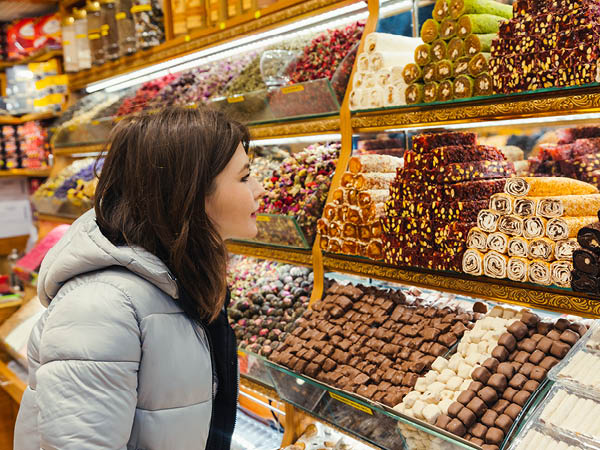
{"x":244,"y":179}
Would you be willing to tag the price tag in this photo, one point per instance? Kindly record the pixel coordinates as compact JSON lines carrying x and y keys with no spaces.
{"x":222,"y":25}
{"x":94,"y":36}
{"x":140,"y":8}
{"x":351,"y":403}
{"x":105,"y":27}
{"x":260,"y":218}
{"x":71,"y":128}
{"x":120,"y":16}
{"x":66,"y":42}
{"x":187,"y":38}
{"x":257,"y":15}
{"x":95,"y":122}
{"x":236,"y":99}
{"x":293,"y":88}
{"x":81,"y":36}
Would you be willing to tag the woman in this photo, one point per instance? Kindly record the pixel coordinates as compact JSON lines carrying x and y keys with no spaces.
{"x":134,"y":350}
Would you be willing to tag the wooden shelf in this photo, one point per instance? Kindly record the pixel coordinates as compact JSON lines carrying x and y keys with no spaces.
{"x":52,"y":218}
{"x":41,"y":56}
{"x":9,"y":381}
{"x":17,"y":120}
{"x":505,"y":291}
{"x":74,"y":150}
{"x":281,"y":254}
{"x":25,"y":173}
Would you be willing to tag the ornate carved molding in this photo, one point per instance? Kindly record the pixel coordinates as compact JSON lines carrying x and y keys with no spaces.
{"x":316,"y":126}
{"x":285,"y":255}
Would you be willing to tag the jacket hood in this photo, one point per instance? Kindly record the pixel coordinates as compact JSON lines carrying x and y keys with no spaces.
{"x":85,"y":249}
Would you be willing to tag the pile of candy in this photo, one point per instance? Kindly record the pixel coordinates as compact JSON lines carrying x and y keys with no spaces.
{"x":144,"y":94}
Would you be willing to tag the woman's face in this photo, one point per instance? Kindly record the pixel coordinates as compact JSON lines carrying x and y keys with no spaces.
{"x":232,"y":205}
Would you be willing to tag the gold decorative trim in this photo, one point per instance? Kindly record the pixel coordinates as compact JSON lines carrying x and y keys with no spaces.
{"x":486,"y":288}
{"x":284,"y":255}
{"x":533,"y":104}
{"x":299,"y":128}
{"x":67,"y":151}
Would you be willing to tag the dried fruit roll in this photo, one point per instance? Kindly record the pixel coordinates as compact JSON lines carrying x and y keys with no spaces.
{"x":463,"y":87}
{"x":373,"y":180}
{"x":334,"y":229}
{"x":347,"y":179}
{"x":571,"y":205}
{"x":547,"y":186}
{"x":511,"y":224}
{"x":445,"y":89}
{"x":414,"y":93}
{"x":476,"y":170}
{"x":517,"y":268}
{"x":541,"y":248}
{"x":324,"y":243}
{"x":439,"y":50}
{"x":487,"y":220}
{"x":425,"y":142}
{"x":462,"y":7}
{"x":483,"y":85}
{"x":441,"y":10}
{"x":581,"y":282}
{"x":330,"y":212}
{"x":386,"y":60}
{"x":477,"y":239}
{"x":549,"y":208}
{"x":478,"y":24}
{"x":429,"y":73}
{"x":350,"y":247}
{"x":444,"y":70}
{"x":473,"y":189}
{"x":349,"y":230}
{"x":586,"y":262}
{"x":525,"y":206}
{"x":430,"y":92}
{"x":539,"y":272}
{"x":385,"y":42}
{"x":374,"y":163}
{"x":472,"y":262}
{"x":448,"y":29}
{"x":494,"y":264}
{"x":362,"y":62}
{"x":564,"y":249}
{"x":411,"y":73}
{"x":479,"y":64}
{"x":475,"y":43}
{"x":335,"y":245}
{"x":352,"y":196}
{"x":366,"y":198}
{"x":423,"y":55}
{"x":456,"y":49}
{"x":374,"y":250}
{"x":589,"y":237}
{"x":501,"y":203}
{"x":430,"y":31}
{"x":498,"y":242}
{"x":566,"y":227}
{"x":322,"y":226}
{"x":560,"y":272}
{"x":534,"y":227}
{"x":518,"y":246}
{"x":461,"y":66}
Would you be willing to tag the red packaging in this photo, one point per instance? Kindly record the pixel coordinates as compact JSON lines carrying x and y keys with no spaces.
{"x":20,"y":38}
{"x":47,"y":32}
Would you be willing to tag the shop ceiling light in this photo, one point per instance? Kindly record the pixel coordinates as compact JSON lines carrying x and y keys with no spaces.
{"x":297,"y":139}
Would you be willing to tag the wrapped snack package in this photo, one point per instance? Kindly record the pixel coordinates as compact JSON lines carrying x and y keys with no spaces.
{"x":477,"y":239}
{"x":518,"y":246}
{"x":517,"y":268}
{"x":564,"y":249}
{"x":539,"y":272}
{"x":525,"y":206}
{"x":501,"y":203}
{"x":560,"y":272}
{"x":472,"y":263}
{"x":547,"y":186}
{"x":497,"y":241}
{"x":511,"y":225}
{"x":487,"y":220}
{"x":534,"y":227}
{"x":541,"y":248}
{"x":566,"y":227}
{"x":494,"y":264}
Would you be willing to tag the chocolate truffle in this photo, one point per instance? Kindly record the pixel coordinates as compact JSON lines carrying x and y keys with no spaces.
{"x":544,"y":327}
{"x":454,"y":409}
{"x":527,"y":345}
{"x":570,"y":337}
{"x":513,"y":411}
{"x":560,"y":349}
{"x":508,"y":341}
{"x":538,"y":374}
{"x":548,"y":362}
{"x":481,"y":374}
{"x":518,"y":381}
{"x":467,"y":417}
{"x":495,"y":435}
{"x":465,"y":397}
{"x":537,"y":357}
{"x":544,"y":344}
{"x":506,"y":369}
{"x":476,"y":440}
{"x":489,"y":418}
{"x":498,"y":381}
{"x":529,"y":319}
{"x":478,"y":430}
{"x":501,"y":405}
{"x":562,"y":324}
{"x":500,"y":353}
{"x":476,"y":386}
{"x":456,"y":427}
{"x":554,"y":335}
{"x":477,"y":406}
{"x":509,"y":393}
{"x":522,"y":357}
{"x":521,"y":397}
{"x":442,"y":421}
{"x":516,"y":365}
{"x":526,"y":369}
{"x":488,"y":395}
{"x":536,"y":337}
{"x":504,"y":422}
{"x":491,"y":364}
{"x":518,"y":329}
{"x":531,"y":386}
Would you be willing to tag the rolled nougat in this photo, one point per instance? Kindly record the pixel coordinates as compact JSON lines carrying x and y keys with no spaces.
{"x":571,"y":205}
{"x":564,"y":249}
{"x":330,"y":212}
{"x":335,"y":245}
{"x":582,"y":282}
{"x":525,"y":206}
{"x":539,"y":272}
{"x":560,"y":272}
{"x":501,"y":203}
{"x":472,"y":262}
{"x":339,"y":195}
{"x":547,"y":186}
{"x":477,"y":239}
{"x":487,"y":220}
{"x":366,"y":198}
{"x":534,"y":227}
{"x":566,"y":227}
{"x":589,"y":237}
{"x":374,"y":163}
{"x":349,"y":231}
{"x":517,"y":186}
{"x":494,"y":264}
{"x":511,"y":224}
{"x":541,"y":248}
{"x":549,"y":208}
{"x":586,"y":262}
{"x":517,"y":268}
{"x":518,"y":246}
{"x":498,"y":241}
{"x":373,"y":180}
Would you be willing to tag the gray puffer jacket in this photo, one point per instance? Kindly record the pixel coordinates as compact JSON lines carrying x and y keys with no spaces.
{"x":113,"y":363}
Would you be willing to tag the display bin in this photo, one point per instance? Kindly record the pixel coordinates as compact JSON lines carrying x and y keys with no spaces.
{"x":246,"y":108}
{"x":303,"y":99}
{"x":279,"y":230}
{"x":253,"y":367}
{"x":93,"y":132}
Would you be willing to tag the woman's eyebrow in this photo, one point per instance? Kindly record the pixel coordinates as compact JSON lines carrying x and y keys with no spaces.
{"x":246,"y":167}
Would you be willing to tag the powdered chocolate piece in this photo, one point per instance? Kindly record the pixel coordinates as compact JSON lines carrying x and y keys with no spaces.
{"x":545,"y":344}
{"x":508,"y":341}
{"x":537,"y":357}
{"x":527,"y":345}
{"x":476,"y":440}
{"x":526,"y":369}
{"x":477,"y":405}
{"x":498,"y":381}
{"x":509,"y":393}
{"x":488,"y":395}
{"x":456,"y":427}
{"x":554,"y":335}
{"x":548,"y":362}
{"x":513,"y":411}
{"x":521,"y":397}
{"x":478,"y":430}
{"x":506,"y":369}
{"x":500,"y":353}
{"x":530,"y":319}
{"x":538,"y":374}
{"x":475,"y":386}
{"x":442,"y":421}
{"x":481,"y":374}
{"x":562,"y":324}
{"x":465,"y":397}
{"x":531,"y":386}
{"x":518,"y":329}
{"x":570,"y":337}
{"x":467,"y":417}
{"x":489,"y":418}
{"x":518,"y":381}
{"x":504,"y":422}
{"x":544,"y":327}
{"x":560,"y":349}
{"x":522,"y":357}
{"x":448,"y":339}
{"x":491,"y":364}
{"x":494,"y":435}
{"x":454,"y":409}
{"x":501,"y":405}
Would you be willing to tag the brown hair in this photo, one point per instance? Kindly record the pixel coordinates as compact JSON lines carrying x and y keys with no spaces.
{"x":160,"y":168}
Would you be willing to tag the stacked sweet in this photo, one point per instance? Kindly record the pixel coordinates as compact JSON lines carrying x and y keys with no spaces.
{"x":300,"y":186}
{"x":528,"y":233}
{"x":381,"y":146}
{"x":546,"y":44}
{"x":351,"y":221}
{"x":434,"y":201}
{"x":586,"y":260}
{"x":452,"y":62}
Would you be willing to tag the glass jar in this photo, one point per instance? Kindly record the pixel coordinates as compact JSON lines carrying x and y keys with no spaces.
{"x":275,"y":66}
{"x":148,"y":23}
{"x":69,"y":44}
{"x":110,"y":31}
{"x":95,"y":22}
{"x":84,"y":53}
{"x":126,"y":27}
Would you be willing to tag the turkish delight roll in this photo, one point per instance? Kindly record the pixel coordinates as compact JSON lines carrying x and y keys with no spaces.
{"x":347,"y":180}
{"x":334,"y":229}
{"x":444,"y":70}
{"x":483,"y":85}
{"x":373,"y":180}
{"x":430,"y":92}
{"x":494,"y":264}
{"x":539,"y":272}
{"x":362,"y":62}
{"x":487,"y":220}
{"x":374,"y":163}
{"x":517,"y":268}
{"x":511,"y":224}
{"x":335,"y":245}
{"x":338,"y":196}
{"x":324,"y":243}
{"x":586,"y":262}
{"x":378,"y":42}
{"x":463,"y":86}
{"x":547,"y":186}
{"x":477,"y":239}
{"x":582,"y":282}
{"x":498,"y":242}
{"x":456,"y":49}
{"x":518,"y":246}
{"x":445,"y":89}
{"x":472,"y":263}
{"x":414,"y":93}
{"x":430,"y":31}
{"x":560,"y":272}
{"x":366,"y":198}
{"x":589,"y":237}
{"x":473,"y":189}
{"x":564,"y":249}
{"x":439,"y":49}
{"x":525,"y":206}
{"x":578,"y":205}
{"x":541,"y":248}
{"x":330,"y":212}
{"x":351,"y":196}
{"x":479,"y":64}
{"x":517,"y":186}
{"x":429,"y":72}
{"x":423,"y":143}
{"x":566,"y":227}
{"x":385,"y":60}
{"x":534,"y":227}
{"x":448,"y":29}
{"x":501,"y":203}
{"x":461,"y":66}
{"x":549,"y":208}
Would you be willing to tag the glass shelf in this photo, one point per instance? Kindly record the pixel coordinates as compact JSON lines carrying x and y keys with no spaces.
{"x":94,"y":132}
{"x":279,"y":231}
{"x":253,"y":367}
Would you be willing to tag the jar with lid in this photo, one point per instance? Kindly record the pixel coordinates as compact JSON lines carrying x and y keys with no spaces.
{"x":95,"y":21}
{"x":84,"y":54}
{"x":126,"y":28}
{"x":149,"y":28}
{"x":110,"y":32}
{"x":69,"y":44}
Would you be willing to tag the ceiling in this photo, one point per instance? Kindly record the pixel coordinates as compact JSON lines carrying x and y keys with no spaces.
{"x":15,"y":9}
